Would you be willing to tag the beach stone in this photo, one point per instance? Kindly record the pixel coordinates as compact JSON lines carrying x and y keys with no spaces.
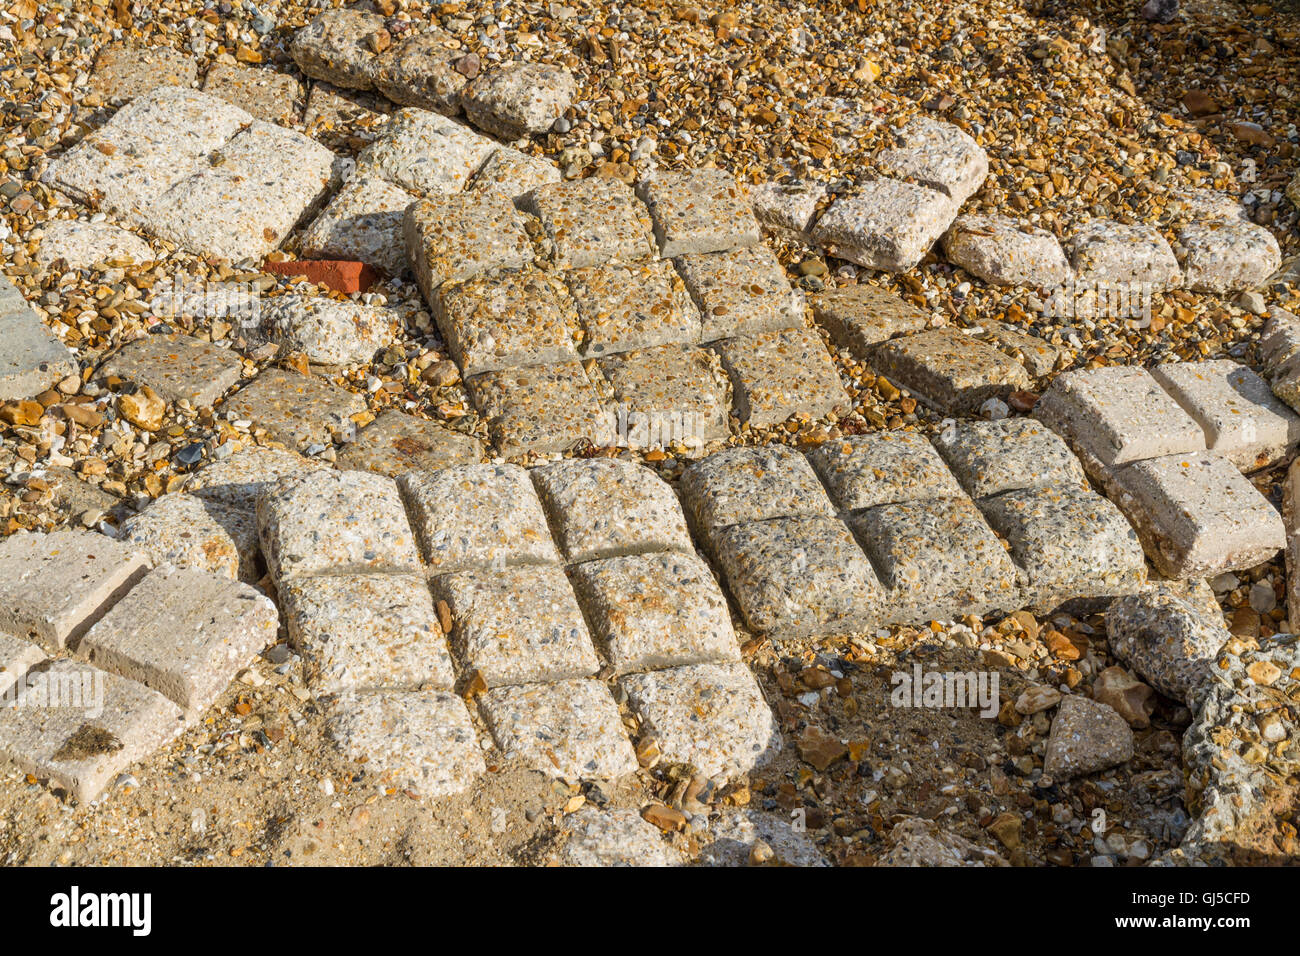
{"x":570,"y":729}
{"x":1003,"y":251}
{"x":187,"y":531}
{"x":1228,"y":256}
{"x":239,"y":480}
{"x":588,"y":222}
{"x":506,"y":322}
{"x":1086,"y":737}
{"x":513,"y":172}
{"x":776,"y":375}
{"x":735,"y":835}
{"x":31,"y":357}
{"x":53,"y":587}
{"x":518,"y":625}
{"x":396,"y":442}
{"x":329,"y":331}
{"x":17,"y":657}
{"x":859,"y":317}
{"x":366,"y":632}
{"x":177,"y":367}
{"x":425,"y":153}
{"x":421,"y":742}
{"x":886,"y":225}
{"x":184,"y":633}
{"x":787,"y":208}
{"x":420,"y":71}
{"x":751,"y":484}
{"x":1129,"y":697}
{"x":458,"y":237}
{"x":334,"y":48}
{"x":743,"y":291}
{"x":1013,"y":454}
{"x":470,"y":517}
{"x":632,"y":307}
{"x":882,"y":468}
{"x":335,"y":522}
{"x":670,"y":394}
{"x":298,"y":410}
{"x":949,"y":370}
{"x":363,"y":222}
{"x":703,"y":210}
{"x":125,"y":70}
{"x":264,"y":94}
{"x":1104,"y":251}
{"x":518,"y":99}
{"x":710,"y":716}
{"x":1165,"y":639}
{"x":83,"y":244}
{"x":614,"y":838}
{"x":938,"y":155}
{"x":545,"y":409}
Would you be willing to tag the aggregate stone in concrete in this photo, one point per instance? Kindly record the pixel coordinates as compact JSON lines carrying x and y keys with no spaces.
{"x":265,"y":94}
{"x":937,"y":560}
{"x":1236,"y":408}
{"x":1086,"y":736}
{"x":367,"y":632}
{"x":570,"y":729}
{"x":787,"y":208}
{"x":396,"y":442}
{"x":614,"y":838}
{"x":477,"y":516}
{"x":1290,"y":517}
{"x":176,"y":367}
{"x":989,"y":458}
{"x":1117,"y":414}
{"x":632,"y":307}
{"x":334,"y":48}
{"x":710,"y":716}
{"x":1104,"y":251}
{"x":741,"y":291}
{"x":1165,"y":639}
{"x":513,"y":172}
{"x":298,"y":410}
{"x":887,"y":224}
{"x":518,"y":625}
{"x":793,"y":577}
{"x":775,"y":375}
{"x":859,"y":317}
{"x":751,"y":484}
{"x":187,"y":531}
{"x":16,"y":658}
{"x":54,"y":586}
{"x":508,"y":321}
{"x":518,"y":99}
{"x":335,"y":522}
{"x":667,"y":394}
{"x":656,"y":610}
{"x":1227,"y":256}
{"x":1005,"y":251}
{"x":949,"y":370}
{"x":31,"y":357}
{"x":110,"y":724}
{"x":83,"y":244}
{"x":420,"y":742}
{"x":330,"y":331}
{"x":425,"y":153}
{"x":602,"y":508}
{"x":938,"y":155}
{"x":735,"y":835}
{"x":363,"y":223}
{"x":1069,"y":541}
{"x":457,"y":237}
{"x":237,"y":481}
{"x":1279,"y":351}
{"x":881,"y":468}
{"x":589,"y":222}
{"x":184,"y":633}
{"x":544,"y":409}
{"x":344,"y":120}
{"x":126,"y":70}
{"x":1037,"y":356}
{"x":420,"y":71}
{"x":701,"y":210}
{"x":1197,"y":515}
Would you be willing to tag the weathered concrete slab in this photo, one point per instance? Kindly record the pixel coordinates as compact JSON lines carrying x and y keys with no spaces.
{"x":298,"y":410}
{"x":743,"y":291}
{"x":859,"y":317}
{"x":938,"y":155}
{"x":31,"y":356}
{"x":589,"y":222}
{"x":776,"y":375}
{"x":948,"y":370}
{"x":396,"y":442}
{"x":84,"y":244}
{"x":176,"y":367}
{"x":1004,"y":251}
{"x":887,"y":225}
{"x":518,"y":99}
{"x":703,"y":210}
{"x":191,"y":532}
{"x":265,"y":94}
{"x":544,"y":409}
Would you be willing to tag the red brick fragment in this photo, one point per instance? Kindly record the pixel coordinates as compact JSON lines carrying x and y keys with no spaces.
{"x":341,"y":275}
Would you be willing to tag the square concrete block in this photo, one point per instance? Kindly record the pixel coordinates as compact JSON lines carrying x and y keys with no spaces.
{"x":751,"y":484}
{"x":518,"y":99}
{"x":32,"y":358}
{"x":396,"y":442}
{"x":882,"y":468}
{"x":1241,"y":417}
{"x":702,"y":210}
{"x":589,"y":222}
{"x":739,"y":292}
{"x":859,"y":317}
{"x":1005,"y":251}
{"x":544,"y":409}
{"x":1227,"y":256}
{"x":456,"y":237}
{"x":938,"y":560}
{"x":54,"y":586}
{"x":176,"y":367}
{"x":17,"y":657}
{"x":79,"y":727}
{"x":776,"y":375}
{"x":949,"y":370}
{"x":571,"y":729}
{"x":1069,"y":542}
{"x":298,"y":410}
{"x":512,"y":173}
{"x":362,"y":223}
{"x":418,"y":742}
{"x":1037,"y":356}
{"x":601,"y":508}
{"x":507,"y":321}
{"x":192,"y":532}
{"x":939,"y":155}
{"x":328,"y":331}
{"x":887,"y":224}
{"x":123,"y":71}
{"x":1196,"y":515}
{"x":1104,"y":251}
{"x":517,"y":626}
{"x":334,"y":47}
{"x":263,"y":93}
{"x":238,"y":480}
{"x":608,"y":838}
{"x":335,"y":522}
{"x":477,"y":516}
{"x":666,"y":395}
{"x":710,"y":716}
{"x":1117,"y":414}
{"x":367,"y":632}
{"x":787,"y":208}
{"x":796,"y":577}
{"x":632,"y":307}
{"x":656,"y":610}
{"x":989,"y":458}
{"x":425,"y":153}
{"x":183,"y":633}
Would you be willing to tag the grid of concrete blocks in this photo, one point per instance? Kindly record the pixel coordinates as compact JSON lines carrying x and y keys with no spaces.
{"x":565,"y":592}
